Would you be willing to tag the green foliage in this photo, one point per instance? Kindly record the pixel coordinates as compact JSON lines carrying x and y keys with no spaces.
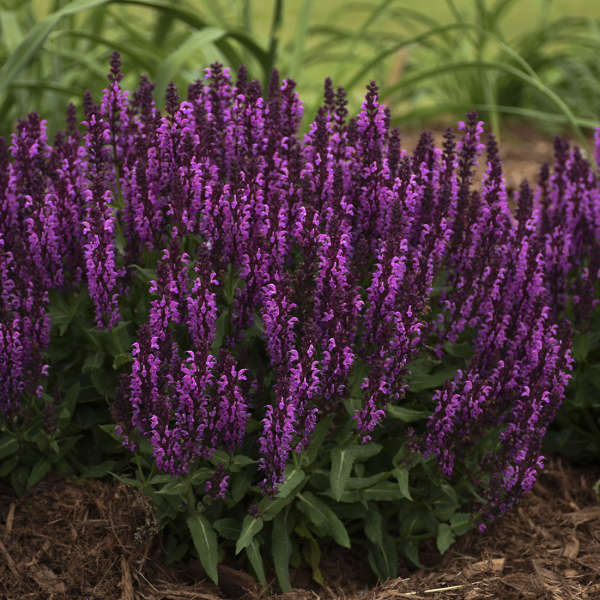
{"x":548,"y":72}
{"x":576,"y":431}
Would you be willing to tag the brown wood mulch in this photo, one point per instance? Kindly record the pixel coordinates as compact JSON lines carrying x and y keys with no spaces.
{"x":96,"y":540}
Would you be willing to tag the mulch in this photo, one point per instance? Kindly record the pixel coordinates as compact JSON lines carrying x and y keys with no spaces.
{"x":97,"y":540}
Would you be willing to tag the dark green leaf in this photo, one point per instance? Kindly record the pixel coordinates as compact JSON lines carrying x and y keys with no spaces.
{"x":419,"y":382}
{"x":445,"y":537}
{"x":295,"y":479}
{"x":93,"y":362}
{"x":384,"y":491}
{"x":402,"y":475}
{"x":460,"y":350}
{"x":255,"y":558}
{"x":39,"y":471}
{"x":316,"y":441}
{"x":100,"y":470}
{"x":8,"y":445}
{"x":228,"y":528}
{"x":360,"y":483}
{"x":7,"y":466}
{"x":461,"y":523}
{"x":205,"y":542}
{"x":105,"y":382}
{"x":581,"y":346}
{"x":239,"y":460}
{"x":406,"y":415}
{"x":323,"y":518}
{"x":121,"y":360}
{"x":250,"y":527}
{"x":67,"y":406}
{"x":410,"y":549}
{"x":240,"y":484}
{"x":281,"y":547}
{"x":342,"y":460}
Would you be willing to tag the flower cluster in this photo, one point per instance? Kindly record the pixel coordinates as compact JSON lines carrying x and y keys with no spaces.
{"x":349,"y":255}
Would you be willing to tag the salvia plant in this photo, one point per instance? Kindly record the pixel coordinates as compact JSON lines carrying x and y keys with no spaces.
{"x":288,"y":341}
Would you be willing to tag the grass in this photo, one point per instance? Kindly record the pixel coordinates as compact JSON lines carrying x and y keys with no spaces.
{"x":532,"y":59}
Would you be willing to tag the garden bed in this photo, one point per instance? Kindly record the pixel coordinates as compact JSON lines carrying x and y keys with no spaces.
{"x":86,"y":539}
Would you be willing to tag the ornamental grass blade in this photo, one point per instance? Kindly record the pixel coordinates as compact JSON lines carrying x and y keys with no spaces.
{"x":140,"y":54}
{"x":299,"y":40}
{"x":194,"y":20}
{"x":12,"y":35}
{"x":34,"y":40}
{"x":452,"y":67}
{"x":199,"y":41}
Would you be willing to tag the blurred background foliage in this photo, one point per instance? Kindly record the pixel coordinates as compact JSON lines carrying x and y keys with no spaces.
{"x":434,"y":60}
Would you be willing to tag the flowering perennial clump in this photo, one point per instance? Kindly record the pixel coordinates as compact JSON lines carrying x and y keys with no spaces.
{"x":338,"y":257}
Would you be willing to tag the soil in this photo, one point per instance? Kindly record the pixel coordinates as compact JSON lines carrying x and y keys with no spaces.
{"x":95,"y":540}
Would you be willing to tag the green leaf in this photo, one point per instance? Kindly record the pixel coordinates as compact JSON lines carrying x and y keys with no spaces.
{"x":281,"y":547}
{"x":312,"y":552}
{"x":410,"y":549}
{"x":384,"y":554}
{"x":144,"y":274}
{"x":8,"y":466}
{"x":269,"y":508}
{"x":342,"y":460}
{"x":39,"y":471}
{"x":62,"y":312}
{"x":100,"y":470}
{"x":220,"y":328}
{"x":121,"y":360}
{"x":67,"y":406}
{"x":110,"y":430}
{"x":120,"y":340}
{"x":461,"y":523}
{"x":127,"y":480}
{"x":406,"y":415}
{"x":174,"y":488}
{"x":373,"y":528}
{"x":228,"y":528}
{"x":445,"y":537}
{"x":418,"y":382}
{"x":239,"y":460}
{"x":360,"y":483}
{"x":250,"y":527}
{"x":205,"y":542}
{"x":105,"y":382}
{"x":384,"y":491}
{"x":402,"y":476}
{"x":8,"y":445}
{"x":581,"y":346}
{"x":460,"y":350}
{"x":323,"y":518}
{"x":240,"y":484}
{"x":316,"y":441}
{"x":255,"y":558}
{"x":93,"y":362}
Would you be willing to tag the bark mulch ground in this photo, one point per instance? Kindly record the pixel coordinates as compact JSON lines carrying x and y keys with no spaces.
{"x":95,"y":540}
